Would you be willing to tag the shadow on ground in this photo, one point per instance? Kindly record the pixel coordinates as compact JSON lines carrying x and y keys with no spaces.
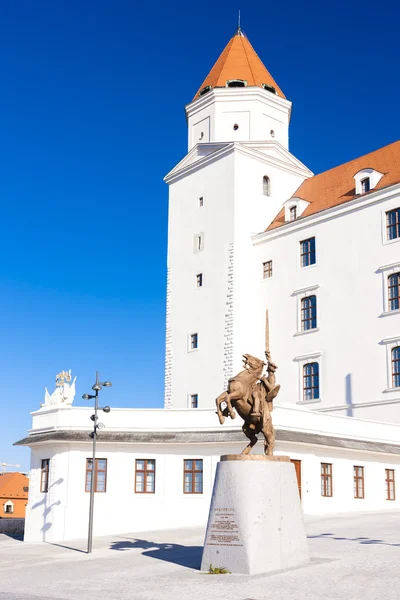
{"x":186,"y":556}
{"x":360,"y":540}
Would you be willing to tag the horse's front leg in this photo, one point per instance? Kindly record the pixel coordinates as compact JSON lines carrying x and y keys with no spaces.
{"x":221,"y":398}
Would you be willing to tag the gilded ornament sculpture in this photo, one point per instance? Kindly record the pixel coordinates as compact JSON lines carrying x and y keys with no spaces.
{"x":251,"y":393}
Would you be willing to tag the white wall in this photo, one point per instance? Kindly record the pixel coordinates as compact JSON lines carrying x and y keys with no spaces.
{"x":62,"y":514}
{"x":352,"y":323}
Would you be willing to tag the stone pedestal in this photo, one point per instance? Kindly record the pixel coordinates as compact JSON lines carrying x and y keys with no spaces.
{"x":256,"y":522}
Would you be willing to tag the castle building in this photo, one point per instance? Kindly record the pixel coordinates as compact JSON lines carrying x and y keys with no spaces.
{"x":262,"y":255}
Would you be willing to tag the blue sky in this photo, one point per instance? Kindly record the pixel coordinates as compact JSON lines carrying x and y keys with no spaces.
{"x":92,"y":118}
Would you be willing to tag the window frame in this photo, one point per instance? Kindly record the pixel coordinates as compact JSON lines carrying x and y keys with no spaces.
{"x":326,"y":480}
{"x":191,"y":338}
{"x":363,"y":181}
{"x":145,"y":471}
{"x":305,"y":359}
{"x":293,"y":213}
{"x":312,"y":375}
{"x":191,"y":398}
{"x":396,"y":224}
{"x":266,"y":186}
{"x":388,"y":480}
{"x":198,"y":280}
{"x":8,"y":505}
{"x":389,"y":287}
{"x":95,"y":476}
{"x":267,"y":269}
{"x":395,"y":367}
{"x":201,"y":201}
{"x":44,"y":475}
{"x":312,"y":311}
{"x":193,"y":472}
{"x":356,"y":479}
{"x":309,"y":252}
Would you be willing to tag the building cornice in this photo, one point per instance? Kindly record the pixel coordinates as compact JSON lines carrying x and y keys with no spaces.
{"x":328,"y":214}
{"x":206,"y":437}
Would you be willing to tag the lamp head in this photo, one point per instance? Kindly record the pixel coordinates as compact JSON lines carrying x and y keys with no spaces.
{"x":106,"y":409}
{"x":100,"y":425}
{"x":86,"y":397}
{"x":106,"y":384}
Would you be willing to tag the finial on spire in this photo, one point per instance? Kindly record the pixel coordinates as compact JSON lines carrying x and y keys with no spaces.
{"x":239,"y":28}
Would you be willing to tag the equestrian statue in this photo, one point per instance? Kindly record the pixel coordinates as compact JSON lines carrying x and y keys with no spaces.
{"x":251,"y":395}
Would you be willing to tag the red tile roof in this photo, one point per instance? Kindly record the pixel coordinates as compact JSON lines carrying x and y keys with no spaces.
{"x":337,"y":185}
{"x":239,"y":60}
{"x":13,"y":485}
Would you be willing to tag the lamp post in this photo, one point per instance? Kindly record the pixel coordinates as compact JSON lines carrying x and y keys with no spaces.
{"x":93,"y":434}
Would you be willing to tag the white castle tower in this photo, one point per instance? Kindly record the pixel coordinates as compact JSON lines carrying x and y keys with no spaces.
{"x":236,"y":176}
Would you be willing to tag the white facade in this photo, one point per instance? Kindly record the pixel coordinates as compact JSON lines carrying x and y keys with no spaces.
{"x":61,"y":513}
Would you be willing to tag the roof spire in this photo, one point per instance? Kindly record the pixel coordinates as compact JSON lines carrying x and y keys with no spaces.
{"x":239,"y":29}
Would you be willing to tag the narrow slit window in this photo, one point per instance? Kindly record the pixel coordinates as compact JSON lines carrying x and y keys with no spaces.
{"x":293,"y":213}
{"x":194,"y":401}
{"x":201,"y":201}
{"x":390,"y":484}
{"x":199,"y":280}
{"x":44,"y":475}
{"x":266,"y":186}
{"x":194,"y":341}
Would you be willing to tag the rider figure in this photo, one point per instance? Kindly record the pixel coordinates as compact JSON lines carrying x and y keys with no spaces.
{"x":269,"y":384}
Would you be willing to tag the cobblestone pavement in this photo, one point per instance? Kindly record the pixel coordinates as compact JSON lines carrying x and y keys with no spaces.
{"x":352,"y":557}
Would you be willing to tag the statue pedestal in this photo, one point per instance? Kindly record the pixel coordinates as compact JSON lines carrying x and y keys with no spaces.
{"x":256,"y":522}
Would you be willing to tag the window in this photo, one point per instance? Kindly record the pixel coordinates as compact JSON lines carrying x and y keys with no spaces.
{"x":192,"y":476}
{"x":145,"y":476}
{"x":311,"y":381}
{"x":194,"y":341}
{"x":205,"y":90}
{"x":394,"y":291}
{"x":199,"y":280}
{"x":201,"y":201}
{"x":8,"y":507}
{"x":266,"y":186}
{"x":198,"y":242}
{"x":390,"y":489}
{"x":358,"y":482}
{"x":235,"y":127}
{"x":396,"y":367}
{"x":267,"y":269}
{"x":44,"y":475}
{"x":269,"y":88}
{"x":308,"y":313}
{"x":393,"y":224}
{"x":326,"y":479}
{"x":194,"y":401}
{"x":365,"y":185}
{"x":307,"y":252}
{"x":236,"y":83}
{"x":293,"y":213}
{"x":100,"y":475}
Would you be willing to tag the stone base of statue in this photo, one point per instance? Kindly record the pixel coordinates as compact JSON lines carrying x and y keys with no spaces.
{"x":256,"y":522}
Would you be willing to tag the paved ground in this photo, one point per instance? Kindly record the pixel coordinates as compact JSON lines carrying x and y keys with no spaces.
{"x":353,"y":557}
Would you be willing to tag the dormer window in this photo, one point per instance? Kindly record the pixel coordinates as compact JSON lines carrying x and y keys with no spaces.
{"x":366,"y":180}
{"x":365,"y":185}
{"x":293,"y":213}
{"x":234,"y":83}
{"x":294,"y":208}
{"x":269,"y":88}
{"x":266,"y":186}
{"x":205,"y":90}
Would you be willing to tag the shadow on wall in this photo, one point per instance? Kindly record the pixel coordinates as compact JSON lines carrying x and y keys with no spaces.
{"x":349,"y":395}
{"x":360,"y":540}
{"x":186,"y":556}
{"x":47,"y":508}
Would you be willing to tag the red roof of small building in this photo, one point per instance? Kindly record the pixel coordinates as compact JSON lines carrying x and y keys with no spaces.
{"x":239,"y":60}
{"x":337,"y":185}
{"x":13,"y":485}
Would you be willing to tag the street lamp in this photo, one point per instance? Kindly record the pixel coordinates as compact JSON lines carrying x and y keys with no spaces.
{"x":93,"y":434}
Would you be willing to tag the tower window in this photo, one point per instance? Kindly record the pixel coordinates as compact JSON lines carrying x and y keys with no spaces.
{"x":234,"y":83}
{"x":194,"y":341}
{"x":236,"y":127}
{"x":365,"y":185}
{"x":266,"y":186}
{"x":194,"y":401}
{"x":267,"y":269}
{"x":201,"y":201}
{"x":199,"y":280}
{"x":205,"y":90}
{"x":293,"y":213}
{"x":269,"y":88}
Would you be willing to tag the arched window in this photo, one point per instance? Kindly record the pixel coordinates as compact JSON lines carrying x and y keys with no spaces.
{"x":311,"y":381}
{"x":365,"y":185}
{"x":266,"y":186}
{"x":396,"y":366}
{"x":308,"y":313}
{"x":394,"y":291}
{"x":293,"y":213}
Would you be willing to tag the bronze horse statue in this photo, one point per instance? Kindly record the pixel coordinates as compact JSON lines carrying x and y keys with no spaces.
{"x":252,"y":395}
